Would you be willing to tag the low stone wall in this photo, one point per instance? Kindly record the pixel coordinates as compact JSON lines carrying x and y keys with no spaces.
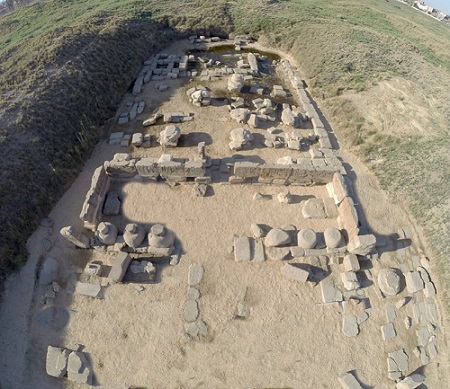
{"x":348,"y":217}
{"x":125,"y":167}
{"x":307,"y":102}
{"x":305,"y":172}
{"x":95,"y":197}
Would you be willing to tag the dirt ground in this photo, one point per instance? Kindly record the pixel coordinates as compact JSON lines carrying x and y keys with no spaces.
{"x":137,"y":338}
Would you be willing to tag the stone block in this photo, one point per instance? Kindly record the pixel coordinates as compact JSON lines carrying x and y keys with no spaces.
{"x":297,"y":251}
{"x":121,"y":169}
{"x":194,"y":169}
{"x":350,"y":280}
{"x":195,"y":274}
{"x":348,"y":381}
{"x":338,"y":188}
{"x":398,"y":361}
{"x":414,"y":282}
{"x":272,"y":172}
{"x":351,"y":263}
{"x":100,"y":181}
{"x":76,"y":236}
{"x":302,"y":174}
{"x":257,"y":251}
{"x":330,"y":293}
{"x":56,"y":362}
{"x":350,"y":326}
{"x":171,"y":169}
{"x":119,"y":267}
{"x":410,"y":382}
{"x":429,"y":290}
{"x":361,"y":244}
{"x":242,"y":252}
{"x":148,"y":167}
{"x":324,"y":175}
{"x":348,"y":217}
{"x":78,"y":369}
{"x":295,"y":273}
{"x":277,"y":253}
{"x":246,"y":169}
{"x":314,"y":209}
{"x":137,"y":139}
{"x":90,"y":290}
{"x":388,"y":331}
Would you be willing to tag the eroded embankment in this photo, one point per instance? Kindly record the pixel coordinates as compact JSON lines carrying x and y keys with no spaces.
{"x":53,"y":117}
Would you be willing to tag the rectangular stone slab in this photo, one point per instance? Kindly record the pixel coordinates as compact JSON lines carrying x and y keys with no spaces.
{"x":295,"y":273}
{"x":242,"y":252}
{"x":120,"y":267}
{"x":89,"y":290}
{"x":348,"y":381}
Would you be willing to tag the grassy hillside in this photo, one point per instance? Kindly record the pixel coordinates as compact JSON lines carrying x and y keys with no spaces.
{"x":64,"y":66}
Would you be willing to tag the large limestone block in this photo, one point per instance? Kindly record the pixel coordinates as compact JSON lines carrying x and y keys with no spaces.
{"x":194,"y":169}
{"x":287,"y":117}
{"x":314,"y":209}
{"x":78,"y":368}
{"x":350,"y":280}
{"x":361,"y":244}
{"x":330,"y":293}
{"x":350,"y":326}
{"x":235,"y":82}
{"x":410,"y":382}
{"x":148,"y":167}
{"x":277,"y":237}
{"x":339,"y":188}
{"x":351,"y":263}
{"x":348,"y":381}
{"x":246,"y":169}
{"x":295,"y":273}
{"x":257,"y":251}
{"x":241,"y":115}
{"x":251,"y":58}
{"x":414,"y":282}
{"x":119,"y":267}
{"x":90,"y":290}
{"x":348,"y":217}
{"x":77,"y":237}
{"x":56,"y":363}
{"x":169,"y":136}
{"x":277,"y":253}
{"x":242,"y":251}
{"x":389,"y":281}
{"x":121,"y":167}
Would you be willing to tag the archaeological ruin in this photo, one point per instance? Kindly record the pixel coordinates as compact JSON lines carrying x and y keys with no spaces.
{"x":226,"y":186}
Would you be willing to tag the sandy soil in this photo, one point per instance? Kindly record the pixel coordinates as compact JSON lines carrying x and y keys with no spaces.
{"x":137,"y":338}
